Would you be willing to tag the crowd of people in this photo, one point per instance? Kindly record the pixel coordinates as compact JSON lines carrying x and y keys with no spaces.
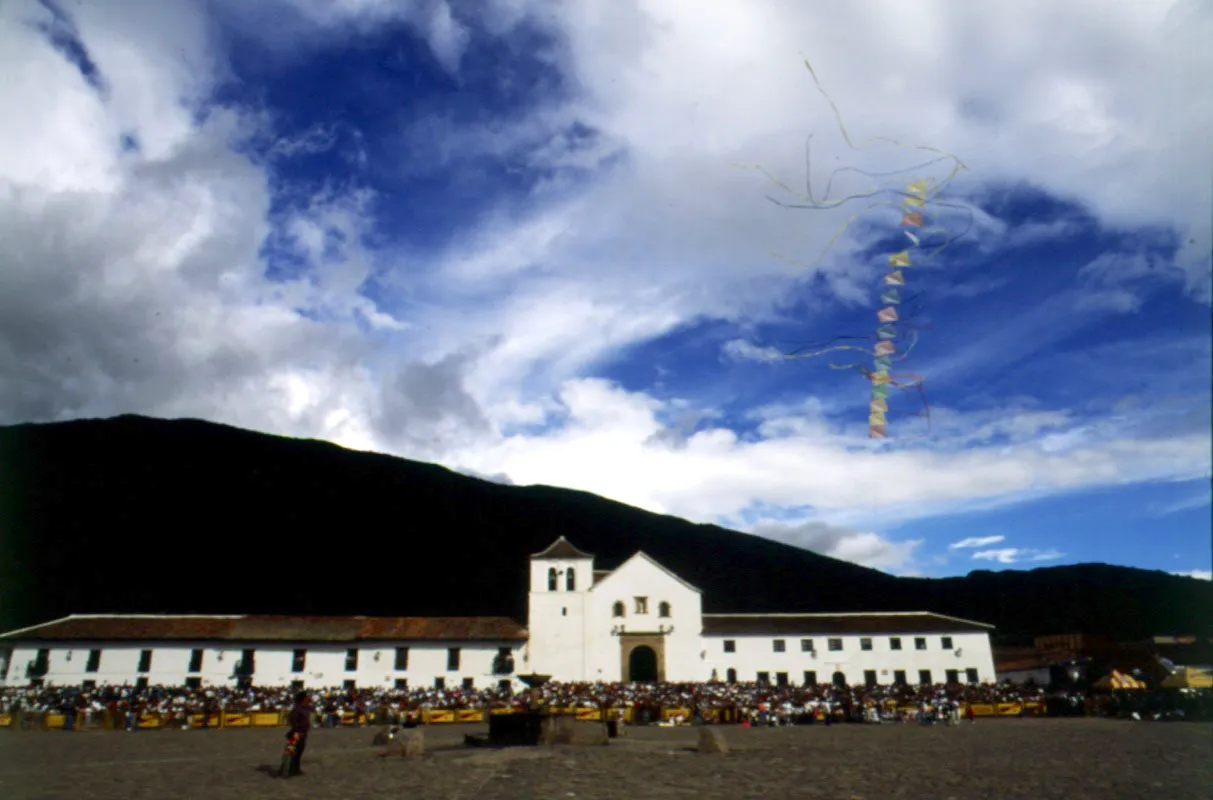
{"x":740,"y":701}
{"x":745,"y":703}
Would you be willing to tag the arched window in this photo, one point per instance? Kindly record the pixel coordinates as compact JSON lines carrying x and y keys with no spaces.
{"x":618,"y":610}
{"x":552,"y":579}
{"x":570,"y":580}
{"x":731,"y":675}
{"x":663,"y":610}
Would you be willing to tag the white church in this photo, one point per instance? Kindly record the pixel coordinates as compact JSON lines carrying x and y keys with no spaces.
{"x":636,"y":623}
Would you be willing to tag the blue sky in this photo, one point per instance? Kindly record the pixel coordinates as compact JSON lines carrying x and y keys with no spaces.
{"x":512,"y":238}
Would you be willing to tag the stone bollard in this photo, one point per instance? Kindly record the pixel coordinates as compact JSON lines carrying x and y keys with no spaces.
{"x":407,"y":744}
{"x":712,"y":741}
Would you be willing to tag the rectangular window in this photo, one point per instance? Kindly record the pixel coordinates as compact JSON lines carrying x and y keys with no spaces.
{"x":778,"y":645}
{"x":402,"y":659}
{"x":865,"y":644}
{"x":145,"y":661}
{"x":88,"y":685}
{"x":947,"y":642}
{"x":452,"y":659}
{"x":835,"y":645}
{"x":193,"y":683}
{"x":94,"y":661}
{"x":764,"y":678}
{"x":469,"y":683}
{"x":351,"y":660}
{"x":894,"y":642}
{"x":810,"y":677}
{"x":781,"y":679}
{"x":195,"y":661}
{"x":730,"y":645}
{"x":806,"y":645}
{"x":869,"y":677}
{"x":350,"y":684}
{"x":899,"y":677}
{"x":298,"y":660}
{"x":642,"y":605}
{"x":402,"y":684}
{"x":920,"y":643}
{"x":951,"y":676}
{"x":971,"y":675}
{"x":924,"y":677}
{"x":141,"y":683}
{"x":440,"y":682}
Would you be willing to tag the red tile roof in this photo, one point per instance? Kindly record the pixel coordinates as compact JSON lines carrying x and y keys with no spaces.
{"x":263,"y":628}
{"x":561,"y":548}
{"x":810,"y":624}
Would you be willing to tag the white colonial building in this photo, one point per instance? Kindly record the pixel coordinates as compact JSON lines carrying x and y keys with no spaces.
{"x":636,"y":623}
{"x":641,"y":622}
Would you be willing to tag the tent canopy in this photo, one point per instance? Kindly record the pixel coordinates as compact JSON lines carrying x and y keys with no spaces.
{"x":1119,"y":680}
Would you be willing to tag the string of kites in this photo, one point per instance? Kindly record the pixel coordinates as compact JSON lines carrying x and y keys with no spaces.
{"x":913,"y":207}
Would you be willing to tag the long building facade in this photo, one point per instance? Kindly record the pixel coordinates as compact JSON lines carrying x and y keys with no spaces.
{"x":636,"y":623}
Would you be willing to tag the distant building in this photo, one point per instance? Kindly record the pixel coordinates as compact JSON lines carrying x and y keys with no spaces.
{"x":199,"y":651}
{"x":636,"y":623}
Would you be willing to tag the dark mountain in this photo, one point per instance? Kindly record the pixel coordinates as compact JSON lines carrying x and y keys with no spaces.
{"x":132,"y":514}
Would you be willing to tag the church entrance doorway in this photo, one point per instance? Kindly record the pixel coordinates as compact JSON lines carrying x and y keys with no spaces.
{"x":643,"y":658}
{"x":642,"y":664}
{"x":840,"y":680}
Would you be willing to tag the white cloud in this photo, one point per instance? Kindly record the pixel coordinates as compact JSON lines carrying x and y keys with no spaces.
{"x":1199,"y":574}
{"x":135,"y":281}
{"x":976,"y":541}
{"x":1015,"y":555}
{"x":741,"y":350}
{"x":859,"y":547}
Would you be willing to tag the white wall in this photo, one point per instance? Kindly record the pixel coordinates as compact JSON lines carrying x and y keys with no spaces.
{"x":556,"y":620}
{"x":324,"y":665}
{"x":641,"y":577}
{"x":756,"y":654}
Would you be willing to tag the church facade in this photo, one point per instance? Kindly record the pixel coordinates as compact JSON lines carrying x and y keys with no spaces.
{"x":636,"y":623}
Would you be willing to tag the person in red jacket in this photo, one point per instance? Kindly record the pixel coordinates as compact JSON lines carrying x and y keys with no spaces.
{"x":300,"y":721}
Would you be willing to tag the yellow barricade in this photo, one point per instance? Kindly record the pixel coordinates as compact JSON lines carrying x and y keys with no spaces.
{"x":438,"y":715}
{"x":1009,"y":709}
{"x":589,"y":714}
{"x":215,"y":720}
{"x":150,"y":721}
{"x":983,"y":710}
{"x":6,"y":720}
{"x":506,"y":710}
{"x":669,"y":713}
{"x":236,"y":719}
{"x":266,"y":719}
{"x":469,"y":715}
{"x":53,"y":720}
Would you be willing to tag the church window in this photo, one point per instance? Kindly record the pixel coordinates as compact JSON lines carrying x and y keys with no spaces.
{"x":730,"y":645}
{"x":730,"y":675}
{"x":552,"y":579}
{"x":663,"y":610}
{"x":642,"y":605}
{"x":570,"y":580}
{"x":617,"y":611}
{"x":779,"y":645}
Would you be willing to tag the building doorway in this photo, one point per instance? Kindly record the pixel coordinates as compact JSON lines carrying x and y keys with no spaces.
{"x":840,"y":680}
{"x":642,"y":664}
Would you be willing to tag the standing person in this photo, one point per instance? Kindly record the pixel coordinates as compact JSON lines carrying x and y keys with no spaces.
{"x":301,"y":722}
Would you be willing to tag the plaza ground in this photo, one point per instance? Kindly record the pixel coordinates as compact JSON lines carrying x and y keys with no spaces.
{"x":999,"y":758}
